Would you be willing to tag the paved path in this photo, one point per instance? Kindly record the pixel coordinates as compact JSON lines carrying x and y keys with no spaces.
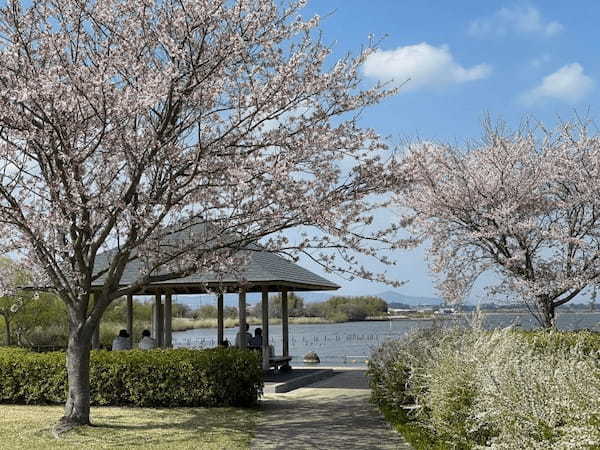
{"x":330,"y":414}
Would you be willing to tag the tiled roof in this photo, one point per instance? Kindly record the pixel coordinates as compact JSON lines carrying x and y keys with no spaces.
{"x":263,"y":268}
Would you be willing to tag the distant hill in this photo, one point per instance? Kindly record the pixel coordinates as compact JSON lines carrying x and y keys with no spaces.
{"x":395,"y":297}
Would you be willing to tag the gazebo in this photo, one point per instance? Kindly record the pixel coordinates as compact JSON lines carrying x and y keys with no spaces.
{"x":263,"y":272}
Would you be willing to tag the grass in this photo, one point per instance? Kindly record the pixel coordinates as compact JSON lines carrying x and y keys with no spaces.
{"x":304,"y":320}
{"x":415,"y":434}
{"x":28,"y":427}
{"x":183,"y":323}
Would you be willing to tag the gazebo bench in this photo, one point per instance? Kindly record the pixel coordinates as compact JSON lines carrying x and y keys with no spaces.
{"x":277,"y":362}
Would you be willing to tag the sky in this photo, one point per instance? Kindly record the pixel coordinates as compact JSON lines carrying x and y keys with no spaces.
{"x":459,"y":62}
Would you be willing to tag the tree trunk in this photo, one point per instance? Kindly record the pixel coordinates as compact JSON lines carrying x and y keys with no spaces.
{"x":7,"y":324}
{"x":8,"y":339}
{"x":547,"y":311}
{"x":77,"y":408}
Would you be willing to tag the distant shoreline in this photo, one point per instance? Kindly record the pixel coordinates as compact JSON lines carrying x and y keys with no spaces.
{"x":198,"y":324}
{"x":184,"y":324}
{"x":493,"y":313}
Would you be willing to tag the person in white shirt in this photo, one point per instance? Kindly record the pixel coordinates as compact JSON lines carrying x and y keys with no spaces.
{"x":147,"y":343}
{"x":238,"y":337}
{"x":122,"y":342}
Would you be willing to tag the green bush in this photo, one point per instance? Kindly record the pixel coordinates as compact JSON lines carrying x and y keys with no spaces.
{"x":182,"y":377}
{"x":41,"y":321}
{"x":586,"y":341}
{"x":352,"y":308}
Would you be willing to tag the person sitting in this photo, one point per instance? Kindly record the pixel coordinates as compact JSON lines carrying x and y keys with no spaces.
{"x":256,"y":341}
{"x":121,"y":342}
{"x":238,"y":337}
{"x":146,"y":343}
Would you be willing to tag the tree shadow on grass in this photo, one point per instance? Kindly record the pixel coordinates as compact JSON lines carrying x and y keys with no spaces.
{"x":164,"y":428}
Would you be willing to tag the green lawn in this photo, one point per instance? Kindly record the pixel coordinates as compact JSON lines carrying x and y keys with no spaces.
{"x":28,"y":427}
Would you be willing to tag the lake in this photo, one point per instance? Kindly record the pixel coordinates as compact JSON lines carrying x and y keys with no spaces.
{"x":351,"y":343}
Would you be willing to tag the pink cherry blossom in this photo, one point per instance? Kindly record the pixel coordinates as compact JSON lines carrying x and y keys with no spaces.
{"x":124,"y":120}
{"x":523,"y":205}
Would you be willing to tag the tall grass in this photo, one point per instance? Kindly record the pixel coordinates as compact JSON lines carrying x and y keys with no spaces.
{"x":183,"y":323}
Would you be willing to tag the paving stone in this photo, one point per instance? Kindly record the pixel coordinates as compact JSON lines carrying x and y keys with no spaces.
{"x":330,"y":414}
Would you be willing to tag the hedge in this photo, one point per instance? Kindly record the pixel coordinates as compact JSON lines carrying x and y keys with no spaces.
{"x":181,"y":377}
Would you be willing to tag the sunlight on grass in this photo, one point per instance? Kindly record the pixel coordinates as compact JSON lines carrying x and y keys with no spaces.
{"x":28,"y":427}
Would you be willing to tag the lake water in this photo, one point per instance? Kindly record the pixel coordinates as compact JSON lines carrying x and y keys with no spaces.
{"x":351,"y":343}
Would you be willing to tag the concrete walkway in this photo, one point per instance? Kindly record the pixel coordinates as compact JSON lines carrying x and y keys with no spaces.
{"x":330,"y":414}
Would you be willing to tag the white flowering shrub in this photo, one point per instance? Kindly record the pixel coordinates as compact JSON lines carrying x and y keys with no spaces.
{"x":495,"y":390}
{"x":446,"y":388}
{"x":393,"y":365}
{"x":540,"y":398}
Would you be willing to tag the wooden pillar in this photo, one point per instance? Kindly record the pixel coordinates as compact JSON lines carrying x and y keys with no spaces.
{"x":153,"y":324}
{"x":96,"y":335}
{"x":284,"y":322}
{"x":160,"y":320}
{"x":220,"y":328}
{"x":168,"y":321}
{"x":157,"y":321}
{"x":130,"y":318}
{"x":242,"y":316}
{"x":265,"y":328}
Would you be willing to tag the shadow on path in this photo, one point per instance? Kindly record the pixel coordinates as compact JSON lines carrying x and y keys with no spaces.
{"x":331,"y":414}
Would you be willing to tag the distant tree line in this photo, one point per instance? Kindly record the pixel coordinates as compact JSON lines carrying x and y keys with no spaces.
{"x":337,"y":309}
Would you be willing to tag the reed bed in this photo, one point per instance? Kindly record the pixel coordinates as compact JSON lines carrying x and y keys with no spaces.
{"x":184,"y":323}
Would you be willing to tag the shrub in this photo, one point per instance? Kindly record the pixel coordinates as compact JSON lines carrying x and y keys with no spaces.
{"x":586,"y":341}
{"x":28,"y":377}
{"x":541,"y":398}
{"x":502,"y":389}
{"x":353,"y":308}
{"x":182,"y":377}
{"x":338,"y":317}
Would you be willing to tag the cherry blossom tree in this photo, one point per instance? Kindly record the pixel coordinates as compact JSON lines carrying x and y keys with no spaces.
{"x":125,"y":121}
{"x":524,"y":205}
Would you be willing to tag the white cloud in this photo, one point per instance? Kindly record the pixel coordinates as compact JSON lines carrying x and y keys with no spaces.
{"x":568,"y":84}
{"x":540,"y":61}
{"x":421,"y":65}
{"x":521,"y":20}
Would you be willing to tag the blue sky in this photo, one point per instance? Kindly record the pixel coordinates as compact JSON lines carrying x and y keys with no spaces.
{"x":466,"y":59}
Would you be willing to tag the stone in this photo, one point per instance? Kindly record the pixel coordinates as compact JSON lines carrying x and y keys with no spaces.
{"x":312,"y":357}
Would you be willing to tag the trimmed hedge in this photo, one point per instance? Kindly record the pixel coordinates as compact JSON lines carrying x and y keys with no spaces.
{"x":181,"y":377}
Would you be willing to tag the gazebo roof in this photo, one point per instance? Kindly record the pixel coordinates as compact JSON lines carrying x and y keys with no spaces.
{"x":262,"y":269}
